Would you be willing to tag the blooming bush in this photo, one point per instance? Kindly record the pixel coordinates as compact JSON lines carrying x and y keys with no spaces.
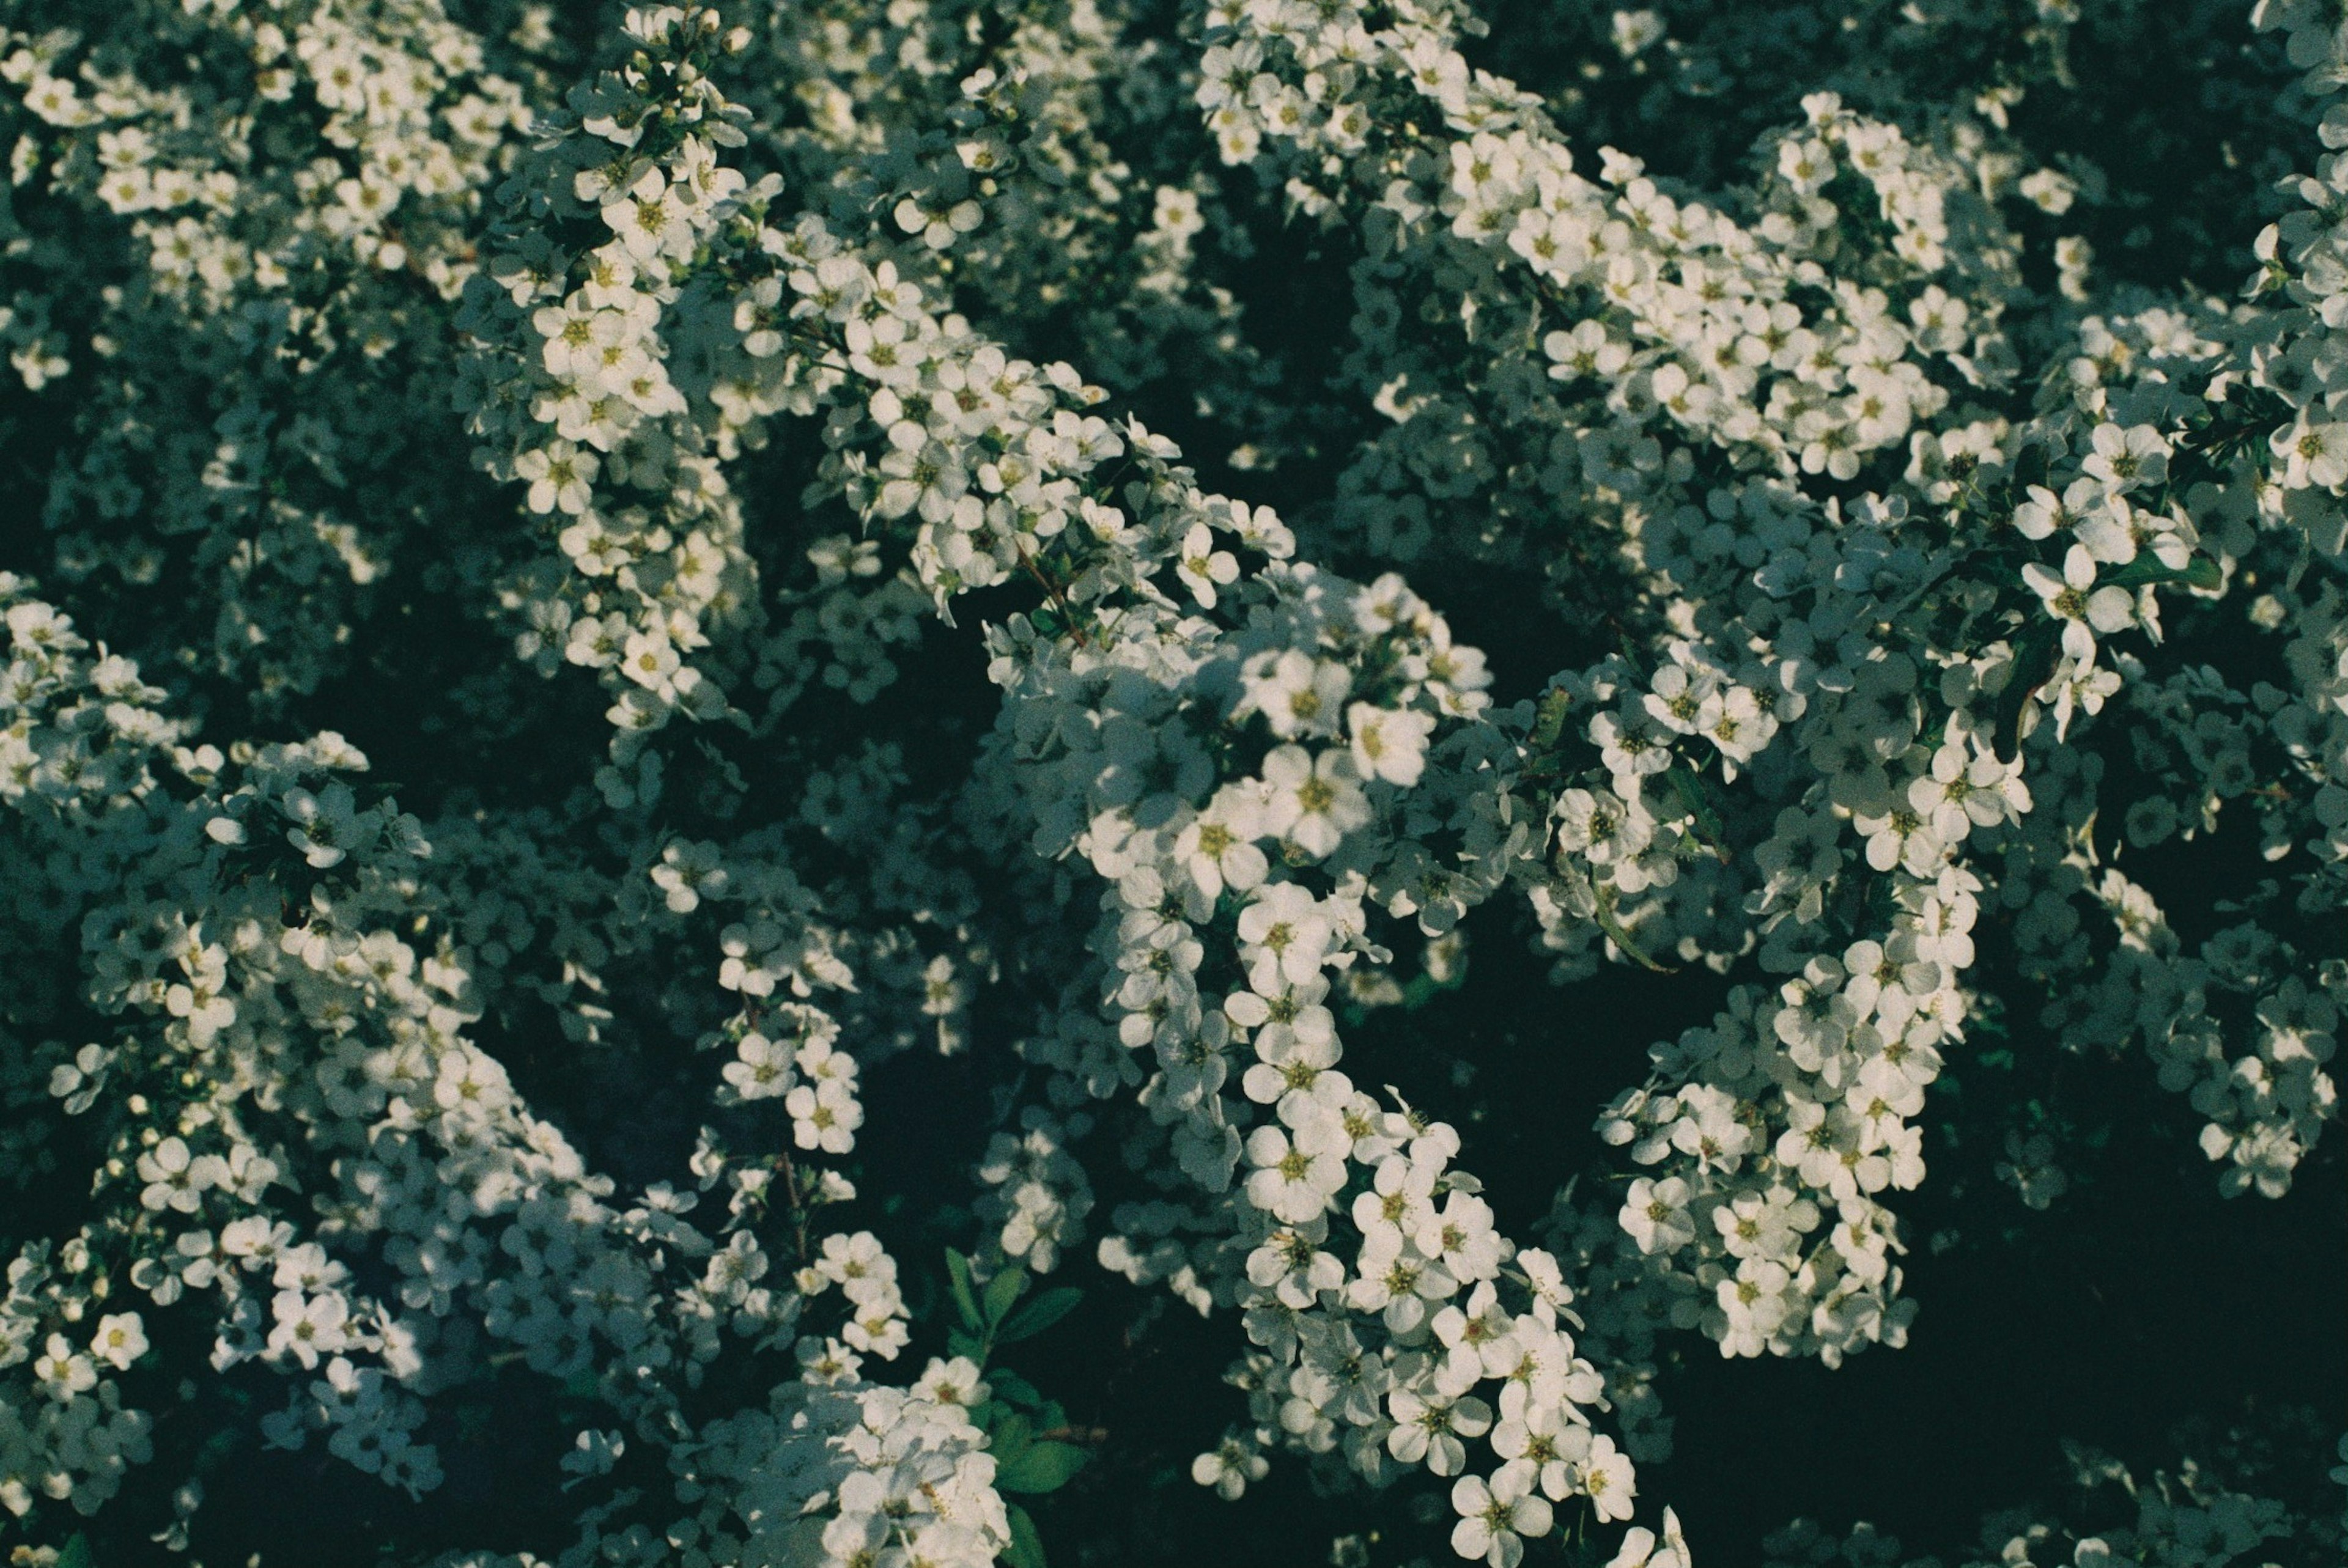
{"x":740,"y":741}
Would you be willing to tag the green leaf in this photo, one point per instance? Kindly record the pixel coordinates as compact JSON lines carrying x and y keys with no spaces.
{"x":2030,"y":467}
{"x":2033,"y":661}
{"x":1010,"y":1437}
{"x":1708,"y":825}
{"x":75,"y":1554}
{"x":969,"y":1345}
{"x":1621,"y":937}
{"x":1013,"y":1387}
{"x":2198,"y":571}
{"x":1041,"y":1467}
{"x":966,"y":1302}
{"x":1026,"y":1548}
{"x":1039,"y":1315}
{"x":1002,"y":1290}
{"x":1549,"y":718}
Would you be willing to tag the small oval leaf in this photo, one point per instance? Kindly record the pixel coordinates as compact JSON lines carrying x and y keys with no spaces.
{"x":1039,"y":1315}
{"x":1041,"y":1467}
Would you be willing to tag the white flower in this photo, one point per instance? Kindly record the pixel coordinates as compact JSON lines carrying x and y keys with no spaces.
{"x":1805,"y":165}
{"x":1313,"y":802}
{"x":1217,"y":848}
{"x":1539,"y":1439}
{"x":2045,"y":512}
{"x":1967,"y":789}
{"x":308,"y":1327}
{"x":1634,"y":33}
{"x":1296,"y":694}
{"x":2084,"y":608}
{"x":1643,"y":1548}
{"x":762,"y":1070}
{"x":1389,"y":743}
{"x":122,"y":1339}
{"x":1677,"y":698}
{"x":1202,"y":567}
{"x":166,"y":1170}
{"x":323,"y":824}
{"x":650,"y":661}
{"x":1461,"y":1235}
{"x":2128,"y":459}
{"x":1495,"y":1516}
{"x":61,"y":1371}
{"x":1430,"y":1426}
{"x":560,"y":474}
{"x":649,"y":219}
{"x":825,"y":1116}
{"x":1656,"y":1214}
{"x":1229,"y":1467}
{"x":1293,"y":1181}
{"x":1585,"y":351}
{"x":1605,"y":1477}
{"x":2050,"y":192}
{"x":2314,"y":452}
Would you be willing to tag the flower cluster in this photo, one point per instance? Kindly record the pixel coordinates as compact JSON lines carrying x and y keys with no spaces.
{"x":1816,"y":551}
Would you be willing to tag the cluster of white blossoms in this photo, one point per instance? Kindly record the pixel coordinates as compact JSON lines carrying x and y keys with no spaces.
{"x":270,"y":300}
{"x":1887,"y":681}
{"x":1906,"y":594}
{"x":269,"y":1029}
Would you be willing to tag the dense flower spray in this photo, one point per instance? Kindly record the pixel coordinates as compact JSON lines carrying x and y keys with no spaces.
{"x":653,"y":397}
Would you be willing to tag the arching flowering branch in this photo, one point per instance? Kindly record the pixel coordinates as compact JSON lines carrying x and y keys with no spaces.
{"x":1889,"y":595}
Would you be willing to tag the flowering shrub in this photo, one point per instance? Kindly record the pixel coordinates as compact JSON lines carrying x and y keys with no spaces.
{"x":671,"y":869}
